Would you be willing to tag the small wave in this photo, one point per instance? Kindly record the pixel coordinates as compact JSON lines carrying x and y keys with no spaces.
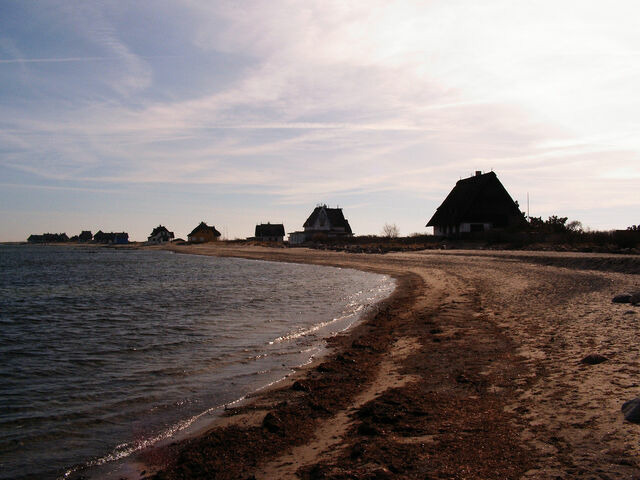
{"x":125,"y":450}
{"x":353,"y":308}
{"x":309,"y":331}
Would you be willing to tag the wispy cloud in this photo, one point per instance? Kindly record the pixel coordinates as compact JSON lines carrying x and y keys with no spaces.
{"x":72,"y":59}
{"x":66,"y":188}
{"x":330,"y":99}
{"x":89,"y":20}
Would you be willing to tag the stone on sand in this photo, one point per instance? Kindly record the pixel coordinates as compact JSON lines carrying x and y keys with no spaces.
{"x":631,"y":410}
{"x":623,"y":298}
{"x":273,"y":423}
{"x":594,"y":359}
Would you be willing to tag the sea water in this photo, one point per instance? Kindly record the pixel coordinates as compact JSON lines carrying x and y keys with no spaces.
{"x":106,"y":351}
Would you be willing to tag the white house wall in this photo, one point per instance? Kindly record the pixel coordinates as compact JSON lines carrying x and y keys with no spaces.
{"x":445,"y":231}
{"x":322,"y":222}
{"x":466,"y":227}
{"x":296,"y":238}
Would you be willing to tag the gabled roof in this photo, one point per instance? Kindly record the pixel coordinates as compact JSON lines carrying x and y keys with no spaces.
{"x":480,"y":198}
{"x":334,"y":215}
{"x":161,"y":229}
{"x":203,"y":227}
{"x":270,"y":230}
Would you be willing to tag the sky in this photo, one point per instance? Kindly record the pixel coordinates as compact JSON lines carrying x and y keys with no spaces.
{"x":123,"y":115}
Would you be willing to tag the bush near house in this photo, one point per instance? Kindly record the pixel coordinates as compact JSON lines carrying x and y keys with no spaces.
{"x":554,"y":233}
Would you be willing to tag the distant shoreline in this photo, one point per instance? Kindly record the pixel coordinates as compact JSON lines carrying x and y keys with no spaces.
{"x":621,"y":244}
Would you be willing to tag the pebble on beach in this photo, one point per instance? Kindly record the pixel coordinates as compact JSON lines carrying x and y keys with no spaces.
{"x":623,"y":298}
{"x":632,"y":298}
{"x":631,"y":410}
{"x":273,"y":423}
{"x":594,"y":359}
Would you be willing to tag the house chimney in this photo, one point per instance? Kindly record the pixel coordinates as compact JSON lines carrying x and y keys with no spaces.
{"x":478,"y":173}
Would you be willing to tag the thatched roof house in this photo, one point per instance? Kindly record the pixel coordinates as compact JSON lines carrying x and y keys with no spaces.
{"x":324,"y":222}
{"x":203,"y":233}
{"x":85,"y":236}
{"x":48,"y":238}
{"x":476,"y":204}
{"x":270,"y":232}
{"x":111,"y":237}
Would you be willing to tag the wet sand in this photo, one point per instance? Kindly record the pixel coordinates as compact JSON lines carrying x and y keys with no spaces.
{"x":471,"y":369}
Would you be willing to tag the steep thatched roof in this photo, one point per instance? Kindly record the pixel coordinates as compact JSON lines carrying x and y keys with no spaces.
{"x":203,"y":227}
{"x":480,"y":198}
{"x":334,"y":215}
{"x":161,"y":229}
{"x":270,"y":230}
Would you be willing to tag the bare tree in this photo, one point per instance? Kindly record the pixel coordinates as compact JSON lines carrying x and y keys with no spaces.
{"x":390,"y":230}
{"x":575,"y":226}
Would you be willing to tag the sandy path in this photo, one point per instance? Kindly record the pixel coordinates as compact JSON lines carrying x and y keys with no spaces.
{"x":478,"y":375}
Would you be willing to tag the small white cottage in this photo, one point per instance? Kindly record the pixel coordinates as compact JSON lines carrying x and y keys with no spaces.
{"x":160,"y":234}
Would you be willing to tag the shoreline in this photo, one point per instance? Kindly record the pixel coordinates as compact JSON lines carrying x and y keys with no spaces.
{"x":199,"y":426}
{"x":249,"y":412}
{"x":361,"y":294}
{"x":446,"y":379}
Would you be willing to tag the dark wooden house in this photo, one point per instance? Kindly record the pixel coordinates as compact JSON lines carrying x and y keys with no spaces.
{"x":476,"y":204}
{"x":121,"y":238}
{"x":85,"y":236}
{"x":203,"y":233}
{"x":101,"y":237}
{"x":270,"y":232}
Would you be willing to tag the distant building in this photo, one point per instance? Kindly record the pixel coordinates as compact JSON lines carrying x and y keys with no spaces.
{"x":476,"y":204}
{"x":117,"y":238}
{"x":121,"y":238}
{"x":85,"y":236}
{"x":203,"y":233}
{"x":100,"y":237}
{"x":270,"y":232}
{"x":323,"y":223}
{"x":48,"y":238}
{"x":296,"y":238}
{"x":160,"y":234}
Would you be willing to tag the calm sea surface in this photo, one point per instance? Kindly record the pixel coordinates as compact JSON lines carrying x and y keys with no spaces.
{"x":105,"y":351}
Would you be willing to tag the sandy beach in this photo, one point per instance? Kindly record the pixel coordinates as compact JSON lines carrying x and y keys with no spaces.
{"x":471,"y":369}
